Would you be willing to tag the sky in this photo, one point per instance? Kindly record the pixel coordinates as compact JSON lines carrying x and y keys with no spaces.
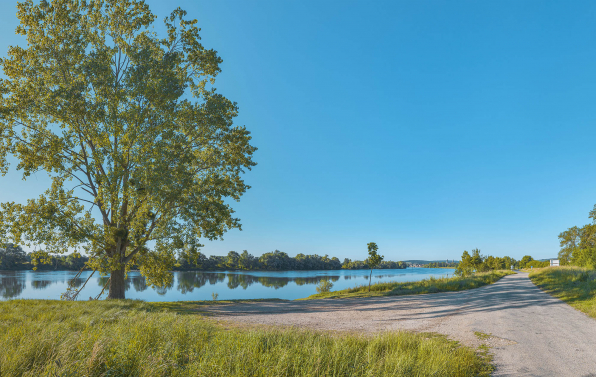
{"x":427,"y":127}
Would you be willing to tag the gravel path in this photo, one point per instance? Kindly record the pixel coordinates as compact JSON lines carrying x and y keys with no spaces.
{"x":533,"y":334}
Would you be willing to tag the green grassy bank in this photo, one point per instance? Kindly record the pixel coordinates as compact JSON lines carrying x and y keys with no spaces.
{"x":132,"y":338}
{"x":574,"y":285}
{"x":431,"y":285}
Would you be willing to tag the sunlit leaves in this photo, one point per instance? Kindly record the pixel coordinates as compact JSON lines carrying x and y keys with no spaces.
{"x":97,"y":100}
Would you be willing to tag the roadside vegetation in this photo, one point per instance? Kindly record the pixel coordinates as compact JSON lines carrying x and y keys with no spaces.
{"x":133,"y":338}
{"x":578,"y":244}
{"x":574,"y":285}
{"x":475,"y":262}
{"x":431,"y":285}
{"x":575,"y":280}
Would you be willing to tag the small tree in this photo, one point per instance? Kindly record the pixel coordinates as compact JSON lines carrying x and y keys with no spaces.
{"x":523,"y":263}
{"x":373,"y":260}
{"x":465,"y":267}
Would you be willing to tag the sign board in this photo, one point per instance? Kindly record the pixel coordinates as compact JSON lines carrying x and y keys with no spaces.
{"x":554,"y":262}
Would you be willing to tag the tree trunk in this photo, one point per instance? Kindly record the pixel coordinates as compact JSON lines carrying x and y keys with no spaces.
{"x":117,"y":286}
{"x":370,"y":280}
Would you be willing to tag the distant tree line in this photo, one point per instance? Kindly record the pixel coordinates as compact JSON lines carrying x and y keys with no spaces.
{"x":349,"y":264}
{"x":440,"y":264}
{"x":475,"y":262}
{"x":275,"y":261}
{"x":15,"y":258}
{"x":578,"y":244}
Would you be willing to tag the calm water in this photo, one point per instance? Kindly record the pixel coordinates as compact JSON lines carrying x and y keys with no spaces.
{"x":190,"y":286}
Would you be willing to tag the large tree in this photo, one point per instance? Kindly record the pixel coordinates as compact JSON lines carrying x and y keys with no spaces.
{"x":141,"y":149}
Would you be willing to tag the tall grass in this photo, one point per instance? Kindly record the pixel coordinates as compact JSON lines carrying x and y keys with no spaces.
{"x":431,"y":285}
{"x":128,"y":338}
{"x":574,"y":285}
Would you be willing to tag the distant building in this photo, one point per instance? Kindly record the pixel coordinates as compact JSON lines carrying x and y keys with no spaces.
{"x":554,"y":262}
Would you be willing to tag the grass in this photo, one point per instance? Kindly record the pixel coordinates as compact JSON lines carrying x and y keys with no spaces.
{"x":574,"y":285}
{"x":482,"y":336}
{"x":134,"y":338}
{"x":432,"y":285}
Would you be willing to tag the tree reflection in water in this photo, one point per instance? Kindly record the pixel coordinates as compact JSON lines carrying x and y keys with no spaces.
{"x":15,"y":284}
{"x":103,"y":280}
{"x":40,"y":284}
{"x":138,"y":281}
{"x":189,"y":280}
{"x":11,"y":285}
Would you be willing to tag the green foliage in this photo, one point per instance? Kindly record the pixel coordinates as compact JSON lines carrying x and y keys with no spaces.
{"x":578,"y":245}
{"x":464,"y":268}
{"x":478,"y":263}
{"x":131,"y":338}
{"x":373,"y":260}
{"x":441,"y":265}
{"x":324,"y":286}
{"x":574,"y":285}
{"x":523,"y":263}
{"x":12,"y":257}
{"x":537,"y":264}
{"x":349,"y":264}
{"x":432,"y":285}
{"x":97,"y":101}
{"x":274,"y":261}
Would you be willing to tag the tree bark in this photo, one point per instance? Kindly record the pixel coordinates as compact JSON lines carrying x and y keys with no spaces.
{"x":117,"y":286}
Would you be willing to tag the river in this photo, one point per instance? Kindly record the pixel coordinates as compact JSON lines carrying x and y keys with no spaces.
{"x":198,"y":285}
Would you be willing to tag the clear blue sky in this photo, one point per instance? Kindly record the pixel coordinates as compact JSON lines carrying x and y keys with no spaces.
{"x":429,"y":127}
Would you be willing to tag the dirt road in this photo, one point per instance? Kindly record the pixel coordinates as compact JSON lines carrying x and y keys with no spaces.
{"x":533,"y":334}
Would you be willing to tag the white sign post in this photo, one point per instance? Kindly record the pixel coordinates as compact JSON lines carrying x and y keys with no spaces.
{"x":554,"y":263}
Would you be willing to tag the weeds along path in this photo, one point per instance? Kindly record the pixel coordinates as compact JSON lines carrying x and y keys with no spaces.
{"x":530,"y":332}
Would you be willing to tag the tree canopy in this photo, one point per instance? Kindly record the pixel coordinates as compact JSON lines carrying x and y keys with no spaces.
{"x":480,"y":263}
{"x":373,"y":260}
{"x":578,"y":245}
{"x":140,"y":147}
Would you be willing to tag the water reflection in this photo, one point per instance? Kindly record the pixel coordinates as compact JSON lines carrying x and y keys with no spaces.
{"x":41,"y":284}
{"x":11,"y":285}
{"x":187,"y":281}
{"x":139,"y":283}
{"x":103,"y":280}
{"x":196,"y":285}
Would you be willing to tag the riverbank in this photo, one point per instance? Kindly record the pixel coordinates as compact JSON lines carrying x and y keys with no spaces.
{"x":431,"y":285}
{"x":574,"y":285}
{"x":128,"y":337}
